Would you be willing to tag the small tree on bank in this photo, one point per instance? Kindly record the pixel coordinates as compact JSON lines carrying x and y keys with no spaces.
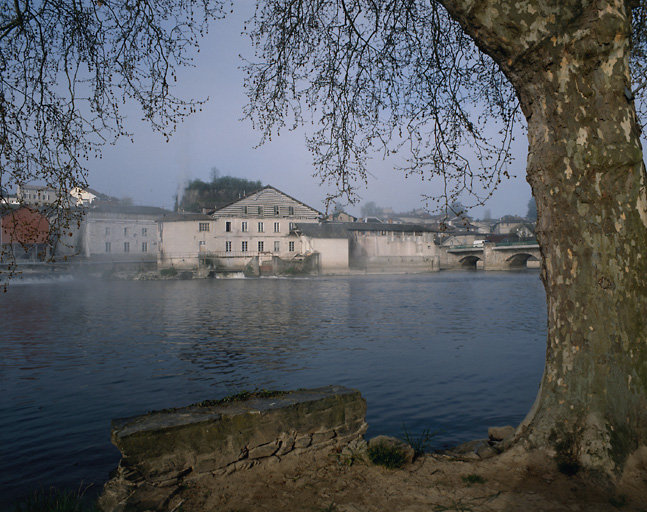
{"x":428,"y":77}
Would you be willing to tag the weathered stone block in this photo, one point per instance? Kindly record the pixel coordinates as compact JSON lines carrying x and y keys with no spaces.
{"x":229,"y":436}
{"x":264,"y":450}
{"x":287,"y":444}
{"x":320,"y":437}
{"x":303,"y":441}
{"x":500,"y":433}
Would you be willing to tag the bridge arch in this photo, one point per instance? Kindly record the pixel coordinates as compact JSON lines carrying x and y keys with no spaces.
{"x":520,"y":260}
{"x":469,"y":261}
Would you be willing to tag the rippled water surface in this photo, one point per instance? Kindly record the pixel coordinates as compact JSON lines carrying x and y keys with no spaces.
{"x":449,"y":352}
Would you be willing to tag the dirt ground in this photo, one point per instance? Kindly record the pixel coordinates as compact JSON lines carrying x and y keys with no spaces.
{"x":516,"y":480}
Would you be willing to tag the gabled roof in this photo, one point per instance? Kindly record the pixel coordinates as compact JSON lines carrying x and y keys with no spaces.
{"x":258,"y":194}
{"x":396,"y":228}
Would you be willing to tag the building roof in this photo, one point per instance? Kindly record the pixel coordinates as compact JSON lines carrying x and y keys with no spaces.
{"x":324,"y":230}
{"x":259,"y":192}
{"x":396,"y":228}
{"x":184,"y":217}
{"x":107,"y":207}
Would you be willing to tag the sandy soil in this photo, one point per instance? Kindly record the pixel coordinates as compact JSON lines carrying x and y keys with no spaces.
{"x":516,"y":480}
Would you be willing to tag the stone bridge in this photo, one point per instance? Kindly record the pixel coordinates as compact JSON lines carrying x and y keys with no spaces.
{"x":490,"y":256}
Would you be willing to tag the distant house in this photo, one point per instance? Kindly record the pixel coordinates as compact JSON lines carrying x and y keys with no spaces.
{"x":25,"y":232}
{"x":42,"y":195}
{"x":84,"y":196}
{"x":341,"y":217}
{"x":36,"y":195}
{"x":513,"y":225}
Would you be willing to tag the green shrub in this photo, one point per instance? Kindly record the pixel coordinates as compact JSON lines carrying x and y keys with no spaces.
{"x":387,"y":455}
{"x":168,"y":272}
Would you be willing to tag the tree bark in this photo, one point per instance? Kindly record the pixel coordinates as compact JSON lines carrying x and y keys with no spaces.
{"x":569,"y":63}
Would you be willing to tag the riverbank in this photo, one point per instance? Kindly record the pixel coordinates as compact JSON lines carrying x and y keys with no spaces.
{"x":516,"y":480}
{"x":305,"y":451}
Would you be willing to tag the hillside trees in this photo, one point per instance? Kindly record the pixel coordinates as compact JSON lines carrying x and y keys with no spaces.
{"x":436,"y":80}
{"x":218,"y":192}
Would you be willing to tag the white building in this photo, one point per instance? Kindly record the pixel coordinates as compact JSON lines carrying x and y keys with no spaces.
{"x":253,"y":230}
{"x":36,"y":195}
{"x":329,"y":242}
{"x":393,"y":247}
{"x":125,"y":234}
{"x":84,"y":197}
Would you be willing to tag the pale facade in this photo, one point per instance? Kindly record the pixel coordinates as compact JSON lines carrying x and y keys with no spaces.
{"x":36,"y":195}
{"x":258,"y":227}
{"x":83,"y":197}
{"x":261,"y":226}
{"x":124,"y":234}
{"x":330,"y":242}
{"x":393,"y":246}
{"x":183,"y":237}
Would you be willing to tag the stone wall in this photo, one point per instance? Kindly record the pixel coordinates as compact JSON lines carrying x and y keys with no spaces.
{"x":164,"y":449}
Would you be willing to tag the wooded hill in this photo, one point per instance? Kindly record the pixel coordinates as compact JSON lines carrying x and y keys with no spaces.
{"x":218,"y":192}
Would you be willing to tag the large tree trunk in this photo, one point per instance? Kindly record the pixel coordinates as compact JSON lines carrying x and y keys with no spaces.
{"x":569,"y":65}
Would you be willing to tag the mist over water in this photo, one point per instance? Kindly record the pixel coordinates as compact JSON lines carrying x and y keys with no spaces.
{"x":449,"y":352}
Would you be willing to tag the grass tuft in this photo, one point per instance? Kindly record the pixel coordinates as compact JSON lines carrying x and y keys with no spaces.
{"x":473,"y":478}
{"x":55,"y":500}
{"x":389,"y":456}
{"x":421,"y":443}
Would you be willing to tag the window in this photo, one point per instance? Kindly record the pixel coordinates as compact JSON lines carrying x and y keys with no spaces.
{"x":243,"y":226}
{"x":261,"y":246}
{"x":228,"y":246}
{"x":144,"y":246}
{"x":276,"y":210}
{"x":277,"y":227}
{"x":290,"y":210}
{"x":228,"y":226}
{"x":254,"y":210}
{"x":201,"y":245}
{"x":126,"y":246}
{"x":144,"y":232}
{"x":261,"y":228}
{"x":291,"y":246}
{"x":107,"y":232}
{"x":277,"y":246}
{"x":203,"y":226}
{"x":107,"y":246}
{"x":125,"y":231}
{"x":292,"y":226}
{"x":243,"y":246}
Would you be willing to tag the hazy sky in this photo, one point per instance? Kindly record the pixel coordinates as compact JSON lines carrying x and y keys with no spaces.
{"x":150,"y":170}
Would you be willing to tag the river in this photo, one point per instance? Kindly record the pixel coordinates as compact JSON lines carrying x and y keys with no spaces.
{"x":449,"y":352}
